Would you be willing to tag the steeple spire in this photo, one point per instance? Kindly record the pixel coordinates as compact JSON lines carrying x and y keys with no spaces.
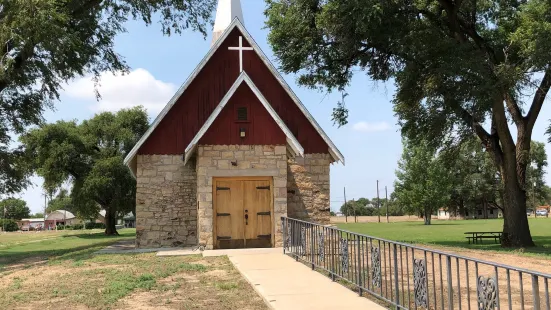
{"x":225,"y":13}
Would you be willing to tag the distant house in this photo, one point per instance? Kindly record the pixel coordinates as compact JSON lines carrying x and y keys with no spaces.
{"x":30,"y":224}
{"x":60,"y":217}
{"x":129,"y":220}
{"x":479,"y":213}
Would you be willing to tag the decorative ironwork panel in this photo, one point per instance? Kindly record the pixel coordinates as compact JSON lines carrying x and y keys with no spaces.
{"x":288,"y":237}
{"x":375,"y":267}
{"x":303,"y":241}
{"x":344,"y":254}
{"x":420,"y":283}
{"x":487,"y":293}
{"x":321,"y":246}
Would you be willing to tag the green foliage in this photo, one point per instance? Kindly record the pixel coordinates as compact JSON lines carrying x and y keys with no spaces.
{"x":461,"y":68}
{"x":9,"y":225}
{"x":91,"y":225}
{"x":536,"y":190}
{"x":47,"y":43}
{"x":423,"y":182}
{"x":90,"y":156}
{"x":62,"y":201}
{"x":13,"y":208}
{"x":37,"y":215}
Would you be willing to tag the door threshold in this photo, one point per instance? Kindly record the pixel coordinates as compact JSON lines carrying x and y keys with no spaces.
{"x":234,"y":252}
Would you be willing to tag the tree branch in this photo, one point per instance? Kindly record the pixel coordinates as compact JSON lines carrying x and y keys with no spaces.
{"x":513,"y":109}
{"x":538,"y":101}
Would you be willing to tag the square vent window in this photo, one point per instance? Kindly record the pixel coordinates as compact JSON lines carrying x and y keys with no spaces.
{"x":242,"y":114}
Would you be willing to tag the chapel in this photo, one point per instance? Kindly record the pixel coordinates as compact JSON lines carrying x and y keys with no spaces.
{"x":232,"y":152}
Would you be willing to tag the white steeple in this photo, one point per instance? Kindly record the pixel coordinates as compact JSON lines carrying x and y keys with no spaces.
{"x":225,"y":13}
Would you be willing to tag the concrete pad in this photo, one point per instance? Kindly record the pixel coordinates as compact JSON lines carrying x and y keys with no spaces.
{"x":241,"y":252}
{"x":286,"y":284}
{"x":179,"y":252}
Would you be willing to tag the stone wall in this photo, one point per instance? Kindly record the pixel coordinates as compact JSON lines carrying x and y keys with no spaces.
{"x":308,"y":188}
{"x":250,"y":160}
{"x":166,"y":208}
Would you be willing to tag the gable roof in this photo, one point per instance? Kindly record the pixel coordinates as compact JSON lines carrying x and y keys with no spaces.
{"x":244,"y":78}
{"x":335,"y":153}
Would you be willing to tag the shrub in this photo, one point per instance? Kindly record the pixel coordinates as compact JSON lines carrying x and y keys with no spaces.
{"x":9,"y":225}
{"x":94,"y":226}
{"x":78,"y":227}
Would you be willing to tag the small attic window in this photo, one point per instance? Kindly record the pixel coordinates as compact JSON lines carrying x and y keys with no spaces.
{"x":242,"y":114}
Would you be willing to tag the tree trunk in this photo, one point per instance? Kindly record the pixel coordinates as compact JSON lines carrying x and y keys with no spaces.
{"x":111,"y":222}
{"x":516,"y":231}
{"x":427,"y":216}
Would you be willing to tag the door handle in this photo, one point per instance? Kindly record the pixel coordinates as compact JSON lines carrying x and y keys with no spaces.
{"x":246,"y":216}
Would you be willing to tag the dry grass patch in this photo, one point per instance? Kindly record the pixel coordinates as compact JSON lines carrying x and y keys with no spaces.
{"x":141,"y":281}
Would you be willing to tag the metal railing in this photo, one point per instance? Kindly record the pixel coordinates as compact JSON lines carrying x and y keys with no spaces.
{"x":411,"y":277}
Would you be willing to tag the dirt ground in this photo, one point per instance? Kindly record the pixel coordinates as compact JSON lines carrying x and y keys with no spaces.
{"x":129,"y":281}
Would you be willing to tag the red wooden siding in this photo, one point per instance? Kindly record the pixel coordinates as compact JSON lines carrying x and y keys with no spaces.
{"x":192,"y":109}
{"x":260,"y":127}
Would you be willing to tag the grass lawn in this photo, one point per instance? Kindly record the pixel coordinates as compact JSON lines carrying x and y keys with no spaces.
{"x":451,"y":233}
{"x":71,"y":276}
{"x":32,"y":247}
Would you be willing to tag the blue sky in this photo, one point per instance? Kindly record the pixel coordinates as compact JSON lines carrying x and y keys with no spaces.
{"x":371,"y":141}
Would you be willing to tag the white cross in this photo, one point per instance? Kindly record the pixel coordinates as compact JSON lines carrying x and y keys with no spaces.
{"x":240,"y":48}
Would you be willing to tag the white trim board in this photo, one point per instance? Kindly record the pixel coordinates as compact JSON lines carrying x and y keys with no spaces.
{"x":335,"y":153}
{"x":292,"y":141}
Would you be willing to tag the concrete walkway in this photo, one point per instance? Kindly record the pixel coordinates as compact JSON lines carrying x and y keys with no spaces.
{"x":286,"y":284}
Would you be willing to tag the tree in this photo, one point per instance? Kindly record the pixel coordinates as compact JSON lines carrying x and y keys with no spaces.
{"x":47,"y":43}
{"x":535,"y":173}
{"x":90,"y":156}
{"x":460,"y":68}
{"x":13,"y":208}
{"x":423,"y":182}
{"x":62,"y":201}
{"x":37,"y":215}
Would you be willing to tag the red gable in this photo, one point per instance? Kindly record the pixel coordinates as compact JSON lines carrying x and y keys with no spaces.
{"x":198,"y":101}
{"x":191,"y":107}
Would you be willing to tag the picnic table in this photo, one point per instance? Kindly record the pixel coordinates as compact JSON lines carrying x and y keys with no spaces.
{"x":477,"y":236}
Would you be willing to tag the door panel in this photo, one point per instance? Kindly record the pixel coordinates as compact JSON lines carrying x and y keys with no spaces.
{"x":257,"y":202}
{"x":243,"y":213}
{"x":229,"y":214}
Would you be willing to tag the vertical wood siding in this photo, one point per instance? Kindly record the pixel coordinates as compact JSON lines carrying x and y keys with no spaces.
{"x":193,"y":108}
{"x":261,"y":129}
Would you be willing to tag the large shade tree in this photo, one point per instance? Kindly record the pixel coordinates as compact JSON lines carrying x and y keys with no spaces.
{"x":47,"y":43}
{"x":90,"y":156}
{"x":461,"y":67}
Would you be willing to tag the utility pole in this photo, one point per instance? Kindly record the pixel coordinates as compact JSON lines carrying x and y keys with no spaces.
{"x":355,"y":216}
{"x":345,"y":206}
{"x":386,"y":201}
{"x":378,"y":203}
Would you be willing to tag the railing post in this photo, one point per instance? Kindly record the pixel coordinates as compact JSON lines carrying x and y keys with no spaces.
{"x":312,"y":246}
{"x":359,"y":264}
{"x":536,"y":292}
{"x":284,"y":233}
{"x":396,"y":285}
{"x":450,"y":282}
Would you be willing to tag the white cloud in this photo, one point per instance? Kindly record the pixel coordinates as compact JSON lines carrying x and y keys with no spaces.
{"x":139,"y":87}
{"x":371,"y":127}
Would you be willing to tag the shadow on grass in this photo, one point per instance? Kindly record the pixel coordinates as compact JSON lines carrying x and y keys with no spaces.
{"x":56,"y":250}
{"x":542,"y":248}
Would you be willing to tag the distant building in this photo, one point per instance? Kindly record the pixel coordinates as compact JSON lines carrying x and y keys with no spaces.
{"x":478,"y":213}
{"x":30,"y":224}
{"x":60,"y":217}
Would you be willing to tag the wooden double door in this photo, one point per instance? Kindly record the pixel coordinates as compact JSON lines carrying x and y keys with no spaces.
{"x":243,"y":214}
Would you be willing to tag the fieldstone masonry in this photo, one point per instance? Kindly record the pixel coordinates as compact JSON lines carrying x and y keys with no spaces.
{"x":174,"y":205}
{"x":248,"y":160}
{"x":166,"y":209}
{"x":308,"y":188}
